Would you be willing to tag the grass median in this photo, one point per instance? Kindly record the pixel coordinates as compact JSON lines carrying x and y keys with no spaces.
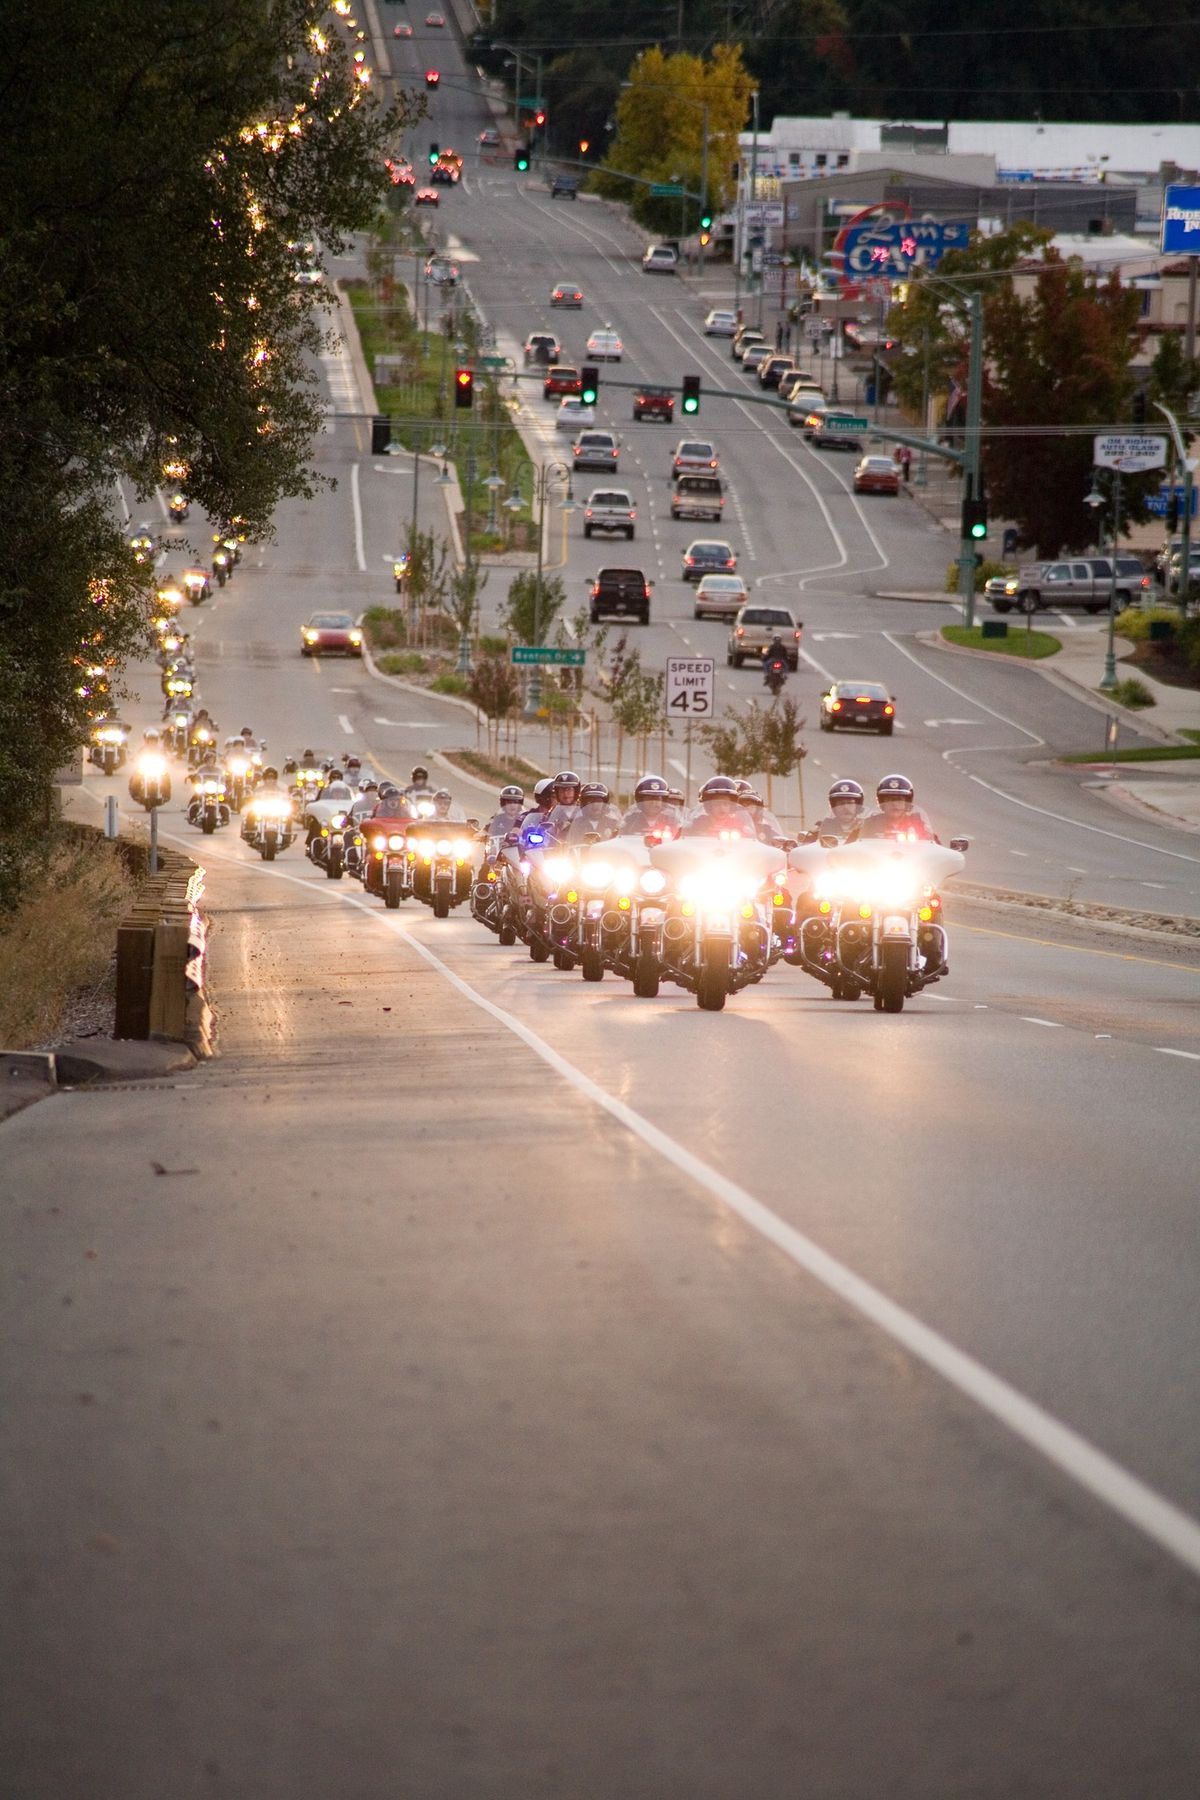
{"x":1033,"y":646}
{"x":1150,"y":753}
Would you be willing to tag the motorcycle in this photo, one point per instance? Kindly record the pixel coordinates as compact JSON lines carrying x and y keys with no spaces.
{"x":717,"y":935}
{"x":400,"y":566}
{"x":775,"y":675}
{"x":222,"y":567}
{"x":201,"y":741}
{"x":589,"y":916}
{"x":239,"y":774}
{"x":441,"y":868}
{"x":178,"y":506}
{"x":208,"y":807}
{"x":267,"y":823}
{"x":876,"y":927}
{"x":150,"y":783}
{"x":108,"y":749}
{"x":177,"y":730}
{"x":178,"y":681}
{"x":488,"y":893}
{"x":196,"y":585}
{"x":330,"y":827}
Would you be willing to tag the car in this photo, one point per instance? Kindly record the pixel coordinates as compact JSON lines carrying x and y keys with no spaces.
{"x":877,"y":475}
{"x":561,"y":381}
{"x":1001,"y":591}
{"x":541,"y":347}
{"x":698,"y":497}
{"x":431,"y":78}
{"x":435,"y":19}
{"x":442,"y":271}
{"x":1085,"y":582}
{"x":694,"y":456}
{"x":489,"y":139}
{"x":771,"y":368}
{"x":573,"y":414}
{"x":401,"y":31}
{"x":743,"y":337}
{"x":595,"y":450}
{"x":755,"y":630}
{"x":708,"y":556}
{"x":605,"y":346}
{"x":400,"y":171}
{"x":445,"y":172}
{"x":308,"y":275}
{"x":792,"y":381}
{"x":866,"y":703}
{"x":609,"y":509}
{"x":802,"y":403}
{"x":660,"y":259}
{"x":721,"y":322}
{"x":330,"y":634}
{"x":720,"y":597}
{"x":654,"y":403}
{"x":564,"y":187}
{"x":624,"y":593}
{"x":426,"y":196}
{"x":753,"y":356}
{"x":565,"y":293}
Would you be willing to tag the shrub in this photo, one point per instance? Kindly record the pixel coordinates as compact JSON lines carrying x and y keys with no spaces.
{"x":60,"y":937}
{"x":385,"y":627}
{"x":1135,"y":621}
{"x":405,"y":662}
{"x":493,"y":646}
{"x":450,"y":683}
{"x":984,"y":571}
{"x":1132,"y":692}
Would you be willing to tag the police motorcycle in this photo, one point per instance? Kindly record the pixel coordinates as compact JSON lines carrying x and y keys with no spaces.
{"x":108,"y":749}
{"x":488,"y":894}
{"x":179,"y":506}
{"x":196,"y":584}
{"x":208,"y":807}
{"x":268,"y":820}
{"x":307,"y":779}
{"x":177,"y":728}
{"x":593,"y":878}
{"x":329,"y":827}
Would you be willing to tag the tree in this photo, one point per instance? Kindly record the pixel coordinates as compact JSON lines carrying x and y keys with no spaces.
{"x":150,"y":311}
{"x":782,"y":748}
{"x":736,"y":743}
{"x":1057,"y":358}
{"x":635,"y":697}
{"x":1174,"y":379}
{"x":496,"y":691}
{"x":660,"y":131}
{"x":527,"y":617}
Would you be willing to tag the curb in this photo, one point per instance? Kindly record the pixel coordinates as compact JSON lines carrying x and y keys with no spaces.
{"x":27,"y":1076}
{"x":917,"y":599}
{"x":410,"y":687}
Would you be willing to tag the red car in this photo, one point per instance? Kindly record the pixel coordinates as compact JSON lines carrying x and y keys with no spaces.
{"x":560,"y":382}
{"x":877,"y":475}
{"x":331,"y":634}
{"x":654,"y":403}
{"x":426,"y":196}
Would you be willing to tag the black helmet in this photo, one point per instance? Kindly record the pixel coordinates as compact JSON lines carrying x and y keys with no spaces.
{"x":651,"y":787}
{"x":245,"y":732}
{"x":270,"y":774}
{"x":420,"y":773}
{"x":593,"y":793}
{"x":309,"y":755}
{"x":387,"y":787}
{"x":511,"y":793}
{"x":369,"y":787}
{"x":543,"y":789}
{"x":289,"y":767}
{"x":750,"y":798}
{"x":895,"y":787}
{"x":845,"y":789}
{"x":719,"y":787}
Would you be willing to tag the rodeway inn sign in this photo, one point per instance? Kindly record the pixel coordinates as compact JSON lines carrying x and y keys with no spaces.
{"x":1181,"y":221}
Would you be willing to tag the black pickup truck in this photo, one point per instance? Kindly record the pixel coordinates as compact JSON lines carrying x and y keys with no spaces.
{"x":621,"y":593}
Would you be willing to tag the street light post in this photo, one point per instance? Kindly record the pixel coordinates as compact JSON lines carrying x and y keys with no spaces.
{"x":1095,"y":500}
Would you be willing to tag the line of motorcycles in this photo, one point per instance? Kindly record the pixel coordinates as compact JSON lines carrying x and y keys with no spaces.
{"x":426,"y":858}
{"x":713,"y":914}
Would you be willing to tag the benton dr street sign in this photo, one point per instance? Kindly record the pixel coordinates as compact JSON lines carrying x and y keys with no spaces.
{"x":536,"y":653}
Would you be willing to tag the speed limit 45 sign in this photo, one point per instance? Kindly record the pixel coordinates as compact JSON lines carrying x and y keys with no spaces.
{"x":691,"y":687}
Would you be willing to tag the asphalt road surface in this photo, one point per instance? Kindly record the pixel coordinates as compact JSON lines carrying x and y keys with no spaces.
{"x":476,"y":1383}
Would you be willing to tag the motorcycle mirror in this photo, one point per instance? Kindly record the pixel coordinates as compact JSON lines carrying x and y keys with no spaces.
{"x":830,"y":843}
{"x":960,"y":843}
{"x":474,"y":824}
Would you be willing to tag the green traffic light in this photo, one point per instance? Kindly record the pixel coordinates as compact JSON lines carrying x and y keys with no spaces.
{"x":691,"y":404}
{"x":706,"y":222}
{"x":979,"y":528}
{"x":522,"y":162}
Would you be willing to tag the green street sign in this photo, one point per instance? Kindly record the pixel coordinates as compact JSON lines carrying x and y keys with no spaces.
{"x":529,"y":653}
{"x":493,"y":361}
{"x":844,"y":422}
{"x":665,"y":190}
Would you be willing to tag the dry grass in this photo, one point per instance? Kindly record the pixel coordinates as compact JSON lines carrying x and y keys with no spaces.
{"x":60,"y":938}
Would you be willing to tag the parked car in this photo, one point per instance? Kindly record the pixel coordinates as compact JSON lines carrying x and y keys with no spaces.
{"x":1054,"y":585}
{"x":708,"y":556}
{"x":721,"y":322}
{"x":743,"y":337}
{"x":877,"y":475}
{"x":564,"y":187}
{"x":753,"y":356}
{"x":694,"y":456}
{"x":660,"y":259}
{"x":654,"y":403}
{"x":866,"y":703}
{"x":720,"y":597}
{"x":596,"y":450}
{"x":609,"y":509}
{"x":803,"y":402}
{"x":771,"y":368}
{"x":792,"y":381}
{"x":755,"y":630}
{"x":698,"y":497}
{"x":565,"y":293}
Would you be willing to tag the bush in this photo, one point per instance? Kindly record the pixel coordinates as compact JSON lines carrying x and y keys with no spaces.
{"x":984,"y":571}
{"x":60,"y":937}
{"x":1132,"y":692}
{"x":385,"y":627}
{"x":449,"y":683}
{"x":1135,"y":621}
{"x":405,"y":662}
{"x":493,"y":646}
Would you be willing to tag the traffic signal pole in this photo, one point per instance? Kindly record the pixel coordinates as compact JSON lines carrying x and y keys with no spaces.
{"x":971,"y":464}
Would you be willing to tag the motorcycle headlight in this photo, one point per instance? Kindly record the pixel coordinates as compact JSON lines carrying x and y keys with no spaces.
{"x":337,"y":821}
{"x":110,"y":734}
{"x":652,"y":881}
{"x":445,"y":847}
{"x":379,"y":843}
{"x":395,"y":842}
{"x":596,"y":875}
{"x":152,"y":767}
{"x":181,"y":718}
{"x":212,"y":787}
{"x":558,"y":869}
{"x":239,"y":766}
{"x":462,"y":849}
{"x":425,"y":809}
{"x":894,"y":888}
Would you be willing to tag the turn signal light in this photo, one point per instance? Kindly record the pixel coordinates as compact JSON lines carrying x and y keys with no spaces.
{"x":925,"y":914}
{"x":864,"y":912}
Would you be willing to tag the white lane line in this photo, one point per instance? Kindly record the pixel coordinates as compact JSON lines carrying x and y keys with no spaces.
{"x":356,"y":503}
{"x":408,"y":724}
{"x":1050,"y":1024}
{"x":1019,"y":853}
{"x":971,"y":699}
{"x":679,"y":768}
{"x":1072,"y":870}
{"x":1191,"y":1055}
{"x":1098,"y":1474}
{"x":345,"y":724}
{"x":1160,"y":885}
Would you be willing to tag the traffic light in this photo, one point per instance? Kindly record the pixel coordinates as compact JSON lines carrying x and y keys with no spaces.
{"x":381,"y":434}
{"x":464,"y":387}
{"x":691,"y":394}
{"x":1139,"y":406}
{"x":521,"y":157}
{"x":706,"y":221}
{"x":589,"y":377}
{"x":974,"y":520}
{"x":1173,"y":511}
{"x":539,"y":118}
{"x":434,"y":153}
{"x":584,"y":146}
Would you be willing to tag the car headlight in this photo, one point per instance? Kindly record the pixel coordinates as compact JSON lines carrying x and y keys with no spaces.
{"x":356,"y":637}
{"x":310,"y":637}
{"x":652,"y":881}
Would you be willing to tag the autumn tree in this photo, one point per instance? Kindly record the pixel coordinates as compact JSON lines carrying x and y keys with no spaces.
{"x":660,"y":135}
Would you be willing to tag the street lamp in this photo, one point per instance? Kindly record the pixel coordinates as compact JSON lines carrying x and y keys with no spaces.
{"x":1095,"y":499}
{"x":493,"y":483}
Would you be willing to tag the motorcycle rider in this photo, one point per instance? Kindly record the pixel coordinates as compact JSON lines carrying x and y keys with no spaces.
{"x":846,"y":800}
{"x":597,"y":816}
{"x":775,"y":664}
{"x":536,"y":820}
{"x":269,"y":784}
{"x":207,"y":770}
{"x":512,"y":803}
{"x":566,"y":802}
{"x":719,"y":813}
{"x":418,"y":780}
{"x":652,"y":814}
{"x":446,"y":807}
{"x":898,"y":814}
{"x":767,"y":828}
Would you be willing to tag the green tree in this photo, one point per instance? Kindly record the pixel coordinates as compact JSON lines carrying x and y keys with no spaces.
{"x":660,"y":131}
{"x":735,"y":743}
{"x":525,"y":615}
{"x":496,"y":691}
{"x":1174,"y":379}
{"x":781,"y":745}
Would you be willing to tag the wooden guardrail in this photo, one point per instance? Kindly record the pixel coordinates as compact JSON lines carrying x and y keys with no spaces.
{"x":161,"y":946}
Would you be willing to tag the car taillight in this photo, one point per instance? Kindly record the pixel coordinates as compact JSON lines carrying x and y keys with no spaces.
{"x":741,"y":631}
{"x":690,"y":561}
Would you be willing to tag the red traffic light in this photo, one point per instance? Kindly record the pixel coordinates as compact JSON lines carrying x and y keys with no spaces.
{"x":464,"y":387}
{"x":539,"y":118}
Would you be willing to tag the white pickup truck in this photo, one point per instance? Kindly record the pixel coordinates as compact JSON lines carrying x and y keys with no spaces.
{"x":610,"y":510}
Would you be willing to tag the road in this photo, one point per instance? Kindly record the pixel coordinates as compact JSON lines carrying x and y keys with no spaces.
{"x":477,"y":1383}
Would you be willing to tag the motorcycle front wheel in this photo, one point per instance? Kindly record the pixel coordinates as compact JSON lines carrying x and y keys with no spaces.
{"x":592,"y":964}
{"x":893,"y":978}
{"x":712,"y":981}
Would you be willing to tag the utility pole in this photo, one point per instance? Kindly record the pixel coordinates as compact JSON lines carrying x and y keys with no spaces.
{"x":972,"y":468}
{"x":1189,"y":350}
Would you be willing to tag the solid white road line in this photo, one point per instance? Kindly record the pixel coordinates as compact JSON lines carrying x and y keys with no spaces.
{"x":356,"y":503}
{"x":1133,"y":1500}
{"x":1191,"y":1055}
{"x":1050,"y":1024}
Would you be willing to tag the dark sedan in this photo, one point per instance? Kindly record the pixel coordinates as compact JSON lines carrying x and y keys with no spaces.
{"x":865,"y":703}
{"x":708,"y":556}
